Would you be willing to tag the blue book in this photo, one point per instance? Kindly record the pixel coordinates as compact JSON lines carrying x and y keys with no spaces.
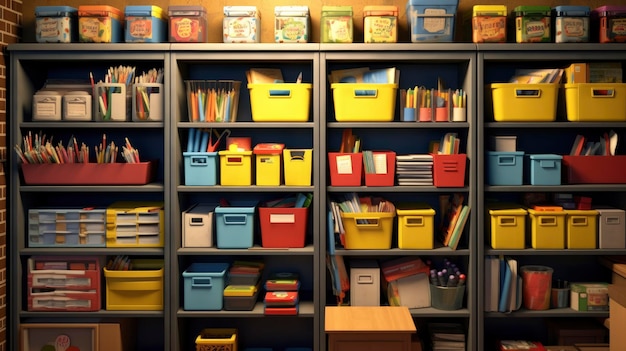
{"x":503,"y":305}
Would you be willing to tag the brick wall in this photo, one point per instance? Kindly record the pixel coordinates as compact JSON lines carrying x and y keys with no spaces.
{"x":10,"y":32}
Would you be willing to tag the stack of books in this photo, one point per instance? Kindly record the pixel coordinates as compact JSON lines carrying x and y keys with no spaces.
{"x":447,"y":336}
{"x":281,"y":297}
{"x":414,"y":169}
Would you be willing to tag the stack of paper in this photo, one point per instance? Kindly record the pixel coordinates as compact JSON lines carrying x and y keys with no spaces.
{"x":414,"y":169}
{"x":447,"y":336}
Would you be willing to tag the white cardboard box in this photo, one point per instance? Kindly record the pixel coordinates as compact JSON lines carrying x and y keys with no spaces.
{"x":198,"y":226}
{"x":364,"y":283}
{"x":611,"y":228}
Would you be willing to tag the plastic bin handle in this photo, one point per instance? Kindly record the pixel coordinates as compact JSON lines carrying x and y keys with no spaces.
{"x":612,"y":220}
{"x":367,"y":222}
{"x":234,"y":160}
{"x":509,"y":221}
{"x":528,"y":93}
{"x":602,"y":93}
{"x":365,"y":93}
{"x":279,"y":93}
{"x":234,"y":219}
{"x":579,"y":221}
{"x":548,"y":221}
{"x":296,"y":155}
{"x":414,"y":221}
{"x":506,"y":160}
{"x":547,"y":164}
{"x":201,"y":282}
{"x":199,"y":161}
{"x":365,"y":279}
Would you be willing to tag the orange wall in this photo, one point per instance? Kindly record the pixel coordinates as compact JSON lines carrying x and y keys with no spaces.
{"x":266,"y":8}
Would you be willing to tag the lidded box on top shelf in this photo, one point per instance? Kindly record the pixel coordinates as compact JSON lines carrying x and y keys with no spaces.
{"x":99,"y":24}
{"x":241,"y":24}
{"x":380,"y":24}
{"x":489,"y":23}
{"x":56,"y":24}
{"x":431,"y":20}
{"x":532,"y":24}
{"x":292,"y":24}
{"x":336,"y":24}
{"x":609,"y":21}
{"x":145,"y":24}
{"x":571,"y":24}
{"x":187,"y":24}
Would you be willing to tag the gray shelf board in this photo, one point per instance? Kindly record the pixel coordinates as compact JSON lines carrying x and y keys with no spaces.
{"x":402,"y":125}
{"x":256,"y":250}
{"x":516,"y":52}
{"x":399,"y":252}
{"x":390,"y":47}
{"x":248,"y":188}
{"x":245,"y":47}
{"x":92,"y":124}
{"x":393,"y":189}
{"x":99,"y":48}
{"x":305,"y":309}
{"x":553,"y":312}
{"x":148,"y":188}
{"x":559,"y":188}
{"x":79,"y":251}
{"x":556,"y":252}
{"x":96,"y":314}
{"x":532,"y":125}
{"x":433,"y":312}
{"x":255,"y":125}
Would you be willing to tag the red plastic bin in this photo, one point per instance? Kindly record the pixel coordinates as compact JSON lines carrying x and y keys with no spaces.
{"x":449,"y":170}
{"x":346,"y":169}
{"x":88,"y":173}
{"x":595,"y":169}
{"x":283,"y":227}
{"x":382,"y":179}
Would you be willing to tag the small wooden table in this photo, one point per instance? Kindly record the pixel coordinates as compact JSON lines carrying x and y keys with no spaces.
{"x":369,"y":328}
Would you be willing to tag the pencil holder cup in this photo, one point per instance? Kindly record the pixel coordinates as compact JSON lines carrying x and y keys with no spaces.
{"x":447,"y":297}
{"x":442,"y":114}
{"x":536,"y":286}
{"x":111,"y":102}
{"x":458,"y":114}
{"x":426,"y":114}
{"x":212,"y":100}
{"x":408,"y":114}
{"x":147,"y":102}
{"x":560,"y":298}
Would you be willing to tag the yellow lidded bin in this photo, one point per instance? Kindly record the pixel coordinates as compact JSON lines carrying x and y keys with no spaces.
{"x":524,"y":102}
{"x":280,"y":102}
{"x":415,"y":226}
{"x":268,"y":163}
{"x":508,"y":228}
{"x":489,"y":23}
{"x":380,"y":24}
{"x":140,"y":288}
{"x":297,"y":166}
{"x":368,"y":230}
{"x":596,"y":102}
{"x":547,"y":227}
{"x":235,"y":166}
{"x":582,"y":229}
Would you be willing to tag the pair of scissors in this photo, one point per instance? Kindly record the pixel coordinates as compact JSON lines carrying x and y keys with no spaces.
{"x":212,"y":146}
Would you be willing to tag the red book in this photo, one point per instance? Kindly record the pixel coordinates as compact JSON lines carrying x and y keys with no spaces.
{"x":281,"y":298}
{"x":291,"y":311}
{"x":520,"y":345}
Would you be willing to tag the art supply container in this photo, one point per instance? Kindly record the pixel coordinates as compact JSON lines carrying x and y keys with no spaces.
{"x":336,"y":24}
{"x":560,"y":297}
{"x":292,"y":24}
{"x":536,"y":287}
{"x":56,"y":24}
{"x":187,"y":24}
{"x":431,"y":20}
{"x":147,"y":102}
{"x":489,"y":23}
{"x":380,"y":24}
{"x":241,"y":24}
{"x":610,"y":21}
{"x":145,"y":24}
{"x":571,"y":24}
{"x":447,"y":297}
{"x":99,"y":24}
{"x":532,"y":24}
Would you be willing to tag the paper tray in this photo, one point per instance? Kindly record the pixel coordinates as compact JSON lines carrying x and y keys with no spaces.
{"x":88,"y":173}
{"x":595,"y":169}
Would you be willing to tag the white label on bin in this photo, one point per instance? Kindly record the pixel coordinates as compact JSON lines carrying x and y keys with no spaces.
{"x":283,"y":218}
{"x":49,"y":28}
{"x":434,"y":25}
{"x":76,"y":108}
{"x":380,"y":163}
{"x":46,"y":108}
{"x":344,"y":164}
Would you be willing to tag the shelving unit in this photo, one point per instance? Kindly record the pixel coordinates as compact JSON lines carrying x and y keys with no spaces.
{"x":31,"y":66}
{"x":496,"y":63}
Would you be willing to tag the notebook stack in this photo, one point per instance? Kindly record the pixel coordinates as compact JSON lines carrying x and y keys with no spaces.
{"x":281,"y":297}
{"x":414,"y":169}
{"x":242,"y":290}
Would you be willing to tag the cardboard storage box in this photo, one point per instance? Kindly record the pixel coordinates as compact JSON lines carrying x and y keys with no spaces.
{"x":198,"y":226}
{"x":589,"y":296}
{"x":364,"y":283}
{"x":617,"y":317}
{"x":80,"y":336}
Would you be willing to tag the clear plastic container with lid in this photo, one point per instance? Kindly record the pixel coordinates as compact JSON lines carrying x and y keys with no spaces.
{"x":291,"y":24}
{"x":336,"y":24}
{"x":380,"y":24}
{"x":241,"y":24}
{"x":571,"y":24}
{"x":188,"y":24}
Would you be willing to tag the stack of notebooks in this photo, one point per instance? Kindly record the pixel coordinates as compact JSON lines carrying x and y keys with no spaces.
{"x":281,"y":297}
{"x":414,"y":169}
{"x":447,"y":336}
{"x":241,"y":291}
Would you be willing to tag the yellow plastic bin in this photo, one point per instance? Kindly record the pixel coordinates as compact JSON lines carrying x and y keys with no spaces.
{"x":297,"y":166}
{"x":596,"y":102}
{"x":268,"y":163}
{"x":280,"y":102}
{"x":364,"y":102}
{"x":368,"y":230}
{"x":217,"y":339}
{"x":532,"y":102}
{"x":140,"y":288}
{"x":235,"y":166}
{"x":547,"y":228}
{"x":508,"y":228}
{"x":582,"y":231}
{"x":415,"y":227}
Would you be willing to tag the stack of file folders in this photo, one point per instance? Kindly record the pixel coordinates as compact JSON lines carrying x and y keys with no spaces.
{"x":414,"y":169}
{"x":281,"y":297}
{"x":242,"y":289}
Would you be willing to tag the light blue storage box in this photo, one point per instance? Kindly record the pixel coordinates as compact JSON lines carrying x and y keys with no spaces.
{"x":234,"y":226}
{"x":145,"y":24}
{"x":431,"y":20}
{"x":56,"y":24}
{"x":505,"y":168}
{"x":545,"y":169}
{"x":200,"y":168}
{"x":204,"y":286}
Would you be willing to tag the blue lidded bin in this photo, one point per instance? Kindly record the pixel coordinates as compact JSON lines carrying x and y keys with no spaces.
{"x":430,"y":20}
{"x":204,"y":286}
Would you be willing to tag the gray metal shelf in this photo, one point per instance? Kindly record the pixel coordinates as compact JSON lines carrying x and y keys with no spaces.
{"x":255,"y":251}
{"x":560,"y":188}
{"x":148,"y":188}
{"x":306,"y":309}
{"x":100,"y":251}
{"x":554,"y":312}
{"x":394,"y":189}
{"x":437,"y":251}
{"x":246,"y":189}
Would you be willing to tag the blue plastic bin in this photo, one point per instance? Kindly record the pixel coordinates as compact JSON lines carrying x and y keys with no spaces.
{"x":431,"y":20}
{"x":200,"y":168}
{"x":545,"y":169}
{"x":145,"y":24}
{"x":505,"y":168}
{"x":234,"y":227}
{"x":204,"y":286}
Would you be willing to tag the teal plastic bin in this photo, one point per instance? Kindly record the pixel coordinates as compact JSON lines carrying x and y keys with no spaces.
{"x":545,"y":169}
{"x":234,"y":227}
{"x":505,"y":168}
{"x":204,"y":286}
{"x":431,"y":20}
{"x":200,"y":168}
